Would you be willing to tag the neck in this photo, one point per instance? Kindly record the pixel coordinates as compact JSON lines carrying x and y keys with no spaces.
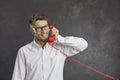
{"x":40,"y":42}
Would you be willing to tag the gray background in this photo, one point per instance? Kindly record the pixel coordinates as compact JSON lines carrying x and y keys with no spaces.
{"x":98,"y":21}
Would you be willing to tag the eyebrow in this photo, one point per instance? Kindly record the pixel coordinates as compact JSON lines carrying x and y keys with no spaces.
{"x":42,"y":26}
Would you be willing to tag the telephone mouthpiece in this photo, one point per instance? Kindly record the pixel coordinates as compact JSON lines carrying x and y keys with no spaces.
{"x":51,"y":38}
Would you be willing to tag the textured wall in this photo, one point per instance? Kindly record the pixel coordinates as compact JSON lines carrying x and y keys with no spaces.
{"x":98,"y":21}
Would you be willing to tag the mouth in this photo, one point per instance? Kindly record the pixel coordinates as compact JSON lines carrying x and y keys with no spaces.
{"x":44,"y":34}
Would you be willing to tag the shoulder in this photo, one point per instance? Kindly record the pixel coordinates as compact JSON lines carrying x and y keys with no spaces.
{"x":26,"y":47}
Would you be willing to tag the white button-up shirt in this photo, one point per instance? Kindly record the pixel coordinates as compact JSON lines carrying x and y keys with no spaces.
{"x":36,"y":63}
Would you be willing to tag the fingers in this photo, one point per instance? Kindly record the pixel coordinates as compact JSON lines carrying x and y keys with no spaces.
{"x":55,"y":32}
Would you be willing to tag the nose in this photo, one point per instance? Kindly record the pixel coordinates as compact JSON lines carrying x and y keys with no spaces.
{"x":42,"y":30}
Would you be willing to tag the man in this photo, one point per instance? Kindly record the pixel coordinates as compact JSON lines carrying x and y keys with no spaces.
{"x":38,"y":60}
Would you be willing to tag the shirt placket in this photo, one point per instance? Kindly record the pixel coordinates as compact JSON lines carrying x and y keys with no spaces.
{"x":43,"y":63}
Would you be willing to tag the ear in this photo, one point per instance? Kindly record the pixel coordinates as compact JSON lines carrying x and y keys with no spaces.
{"x":32,"y":29}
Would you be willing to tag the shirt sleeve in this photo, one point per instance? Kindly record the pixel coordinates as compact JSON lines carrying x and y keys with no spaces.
{"x":19,"y":68}
{"x":72,"y":45}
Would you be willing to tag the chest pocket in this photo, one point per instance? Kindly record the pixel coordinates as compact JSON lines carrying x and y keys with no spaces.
{"x":53,"y":54}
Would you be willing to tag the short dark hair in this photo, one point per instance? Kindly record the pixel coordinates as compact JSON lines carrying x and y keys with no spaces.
{"x":37,"y":16}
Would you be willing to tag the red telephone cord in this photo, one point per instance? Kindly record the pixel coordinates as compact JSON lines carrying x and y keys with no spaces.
{"x":86,"y":66}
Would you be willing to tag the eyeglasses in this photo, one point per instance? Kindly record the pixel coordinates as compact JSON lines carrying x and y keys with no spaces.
{"x":45,"y":27}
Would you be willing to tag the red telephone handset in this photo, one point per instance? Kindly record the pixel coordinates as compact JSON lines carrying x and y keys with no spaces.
{"x":51,"y":38}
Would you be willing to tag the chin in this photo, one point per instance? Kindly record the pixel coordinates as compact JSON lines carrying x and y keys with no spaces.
{"x":43,"y":39}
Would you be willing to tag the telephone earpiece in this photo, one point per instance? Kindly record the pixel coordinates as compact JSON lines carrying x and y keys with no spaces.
{"x":51,"y":38}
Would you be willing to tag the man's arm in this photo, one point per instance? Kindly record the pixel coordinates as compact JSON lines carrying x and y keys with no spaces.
{"x":19,"y":68}
{"x":72,"y":45}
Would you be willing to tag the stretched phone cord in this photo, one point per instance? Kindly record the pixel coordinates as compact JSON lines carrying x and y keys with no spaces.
{"x":84,"y":65}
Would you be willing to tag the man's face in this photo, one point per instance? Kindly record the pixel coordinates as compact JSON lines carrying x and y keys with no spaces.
{"x":41,"y":30}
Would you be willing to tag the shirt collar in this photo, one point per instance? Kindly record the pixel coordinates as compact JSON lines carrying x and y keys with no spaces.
{"x":37,"y":46}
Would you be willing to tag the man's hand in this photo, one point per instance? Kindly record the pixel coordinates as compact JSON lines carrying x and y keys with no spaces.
{"x":55,"y":32}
